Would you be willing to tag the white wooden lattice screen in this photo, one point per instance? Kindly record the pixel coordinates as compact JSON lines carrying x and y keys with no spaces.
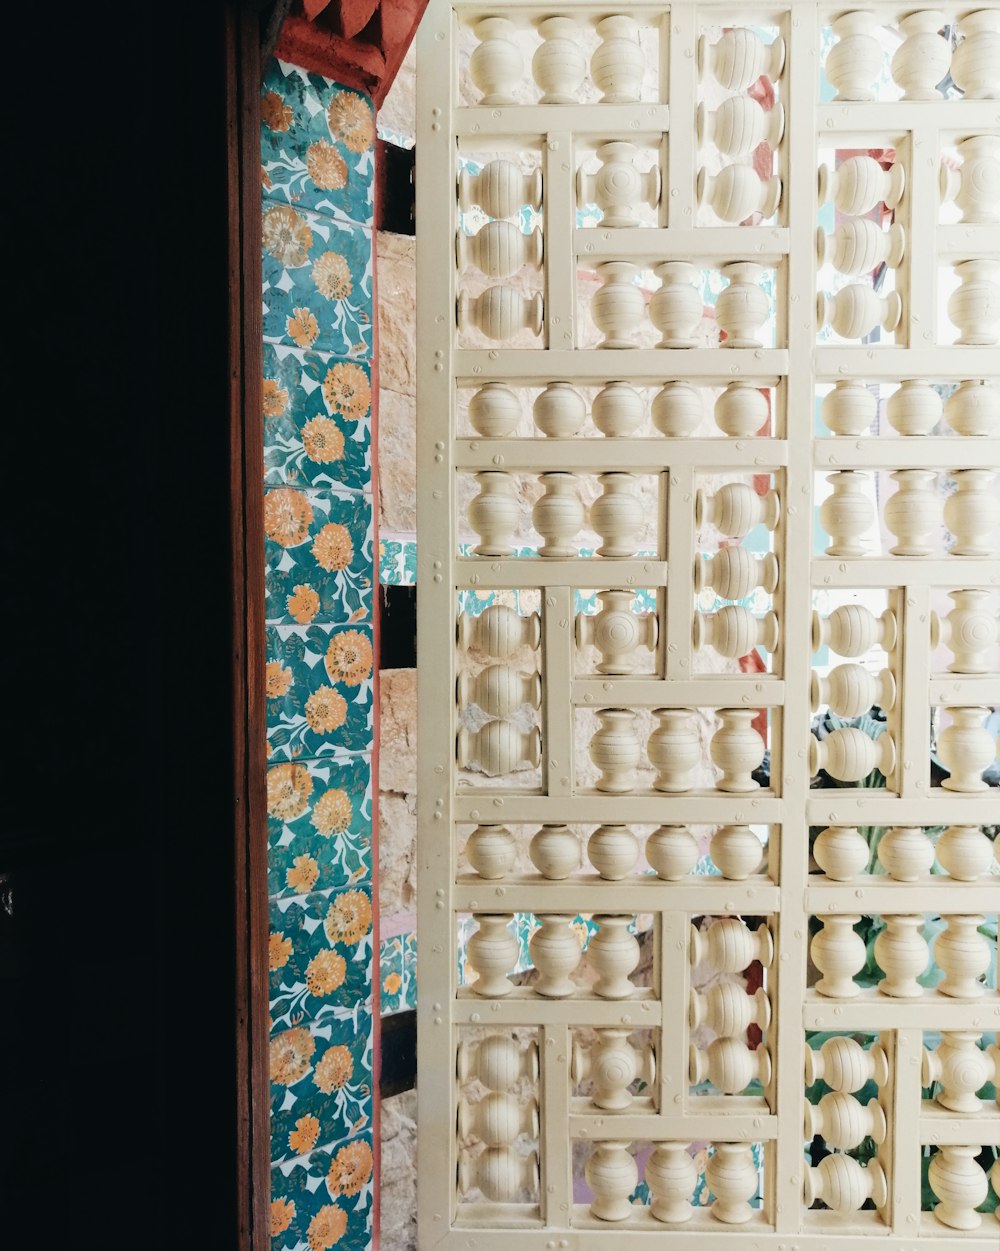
{"x":823,"y":178}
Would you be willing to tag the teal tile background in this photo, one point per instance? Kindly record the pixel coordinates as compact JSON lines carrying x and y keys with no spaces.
{"x":398,"y":973}
{"x":322,"y":1199}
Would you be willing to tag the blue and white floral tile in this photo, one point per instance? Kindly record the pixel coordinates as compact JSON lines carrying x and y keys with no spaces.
{"x":317,"y":419}
{"x":325,"y":1198}
{"x":318,"y":681}
{"x":397,"y":562}
{"x":317,"y":288}
{"x":317,"y":144}
{"x":319,"y":826}
{"x":318,"y":556}
{"x":398,"y":973}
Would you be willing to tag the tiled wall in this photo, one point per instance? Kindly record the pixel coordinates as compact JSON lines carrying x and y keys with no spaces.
{"x":317,"y":164}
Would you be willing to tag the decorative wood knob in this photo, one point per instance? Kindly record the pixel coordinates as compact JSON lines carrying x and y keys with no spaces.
{"x":740,"y":57}
{"x":618,"y":188}
{"x":497,"y":1120}
{"x":735,"y":573}
{"x":614,"y":1065}
{"x":845,"y":1065}
{"x":613,"y":953}
{"x":963,"y":954}
{"x":730,"y":946}
{"x":671,"y":1175}
{"x":732,"y":1177}
{"x":559,"y":66}
{"x":847,"y":514}
{"x":961,"y":1068}
{"x":616,"y":751}
{"x":974,"y":61}
{"x":494,"y":411}
{"x":612,"y":1176}
{"x":974,"y":307}
{"x":851,"y":630}
{"x":555,"y":852}
{"x":966,"y":748}
{"x":676,"y":308}
{"x":742,"y":410}
{"x":499,"y":748}
{"x":739,"y":125}
{"x":677,"y":410}
{"x":619,"y":64}
{"x":970,"y":631}
{"x":855,"y":61}
{"x":906,"y":853}
{"x":559,"y":412}
{"x":902,"y":953}
{"x":672,"y":852}
{"x":496,"y":65}
{"x":499,"y":249}
{"x":742,"y":307}
{"x":618,"y":410}
{"x":728,"y":1010}
{"x":841,"y":851}
{"x":730,"y":1065}
{"x":737,"y":192}
{"x":964,"y":852}
{"x":498,"y":690}
{"x":492,"y":952}
{"x":959,"y":1184}
{"x":972,"y":513}
{"x":494,"y":513}
{"x":491,"y":850}
{"x":838,"y":952}
{"x":849,"y":755}
{"x":858,"y":246}
{"x":616,"y":631}
{"x":555,"y":953}
{"x":975,"y":185}
{"x":921,"y":61}
{"x":617,"y":515}
{"x":843,"y":1122}
{"x":734,"y":631}
{"x":500,"y":189}
{"x":843,"y":1184}
{"x":849,"y":690}
{"x":499,"y":631}
{"x":856,"y":310}
{"x":618,"y":306}
{"x":973,"y":409}
{"x":558,"y":515}
{"x":849,"y":409}
{"x":500,"y":312}
{"x":736,"y":852}
{"x":501,"y":1173}
{"x":674,"y":749}
{"x":613,"y":850}
{"x":860,"y":183}
{"x":737,"y":749}
{"x":735,"y":509}
{"x":915,"y":408}
{"x":498,"y":1062}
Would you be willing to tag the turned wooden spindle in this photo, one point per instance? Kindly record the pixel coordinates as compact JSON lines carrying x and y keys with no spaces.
{"x":675,"y":309}
{"x":619,"y":188}
{"x":841,"y":851}
{"x":973,"y":408}
{"x":492,"y":952}
{"x":555,"y":953}
{"x":559,"y":412}
{"x":497,"y":1120}
{"x":849,"y":690}
{"x":737,"y":192}
{"x":849,"y":409}
{"x":964,"y":852}
{"x":742,"y":410}
{"x":555,"y":852}
{"x":851,"y":630}
{"x":618,"y":306}
{"x":494,"y":411}
{"x":613,"y":953}
{"x":734,"y":631}
{"x":921,"y":61}
{"x":847,"y":514}
{"x":500,"y":312}
{"x":735,"y":509}
{"x":616,"y":631}
{"x":966,"y":748}
{"x":498,"y":690}
{"x":491,"y":850}
{"x":972,"y":513}
{"x":498,"y":1062}
{"x":499,"y":249}
{"x":975,"y":61}
{"x":741,"y":309}
{"x":913,"y":512}
{"x":501,"y":1173}
{"x":959,"y":1184}
{"x":849,"y":755}
{"x":730,"y":946}
{"x":613,"y":1064}
{"x":617,"y":515}
{"x":740,"y":124}
{"x":499,"y":748}
{"x":674,"y":749}
{"x":961,"y":1068}
{"x":737,"y":749}
{"x":974,"y":307}
{"x":740,"y":57}
{"x":496,"y":65}
{"x":731,"y":1176}
{"x":671,"y":1175}
{"x":735,"y":573}
{"x":914,"y":408}
{"x":838,"y":952}
{"x":618,"y":410}
{"x":612,"y":1175}
{"x":970,"y":631}
{"x":906,"y":853}
{"x":494,"y":513}
{"x":963,"y":955}
{"x":736,"y":852}
{"x":856,"y":310}
{"x":995,"y":1179}
{"x":728,"y":1010}
{"x":975,"y":185}
{"x":843,"y":1121}
{"x":619,"y":64}
{"x":855,"y":61}
{"x":672,"y":852}
{"x":845,"y":1065}
{"x":500,"y":189}
{"x":843,"y":1184}
{"x":730,"y":1065}
{"x":559,"y":66}
{"x":677,"y":409}
{"x":613,"y":850}
{"x":860,"y":183}
{"x":499,"y":631}
{"x":903,"y":955}
{"x":558,"y":515}
{"x":616,"y":750}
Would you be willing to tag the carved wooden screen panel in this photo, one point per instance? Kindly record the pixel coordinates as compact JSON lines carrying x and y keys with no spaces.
{"x":708,"y":405}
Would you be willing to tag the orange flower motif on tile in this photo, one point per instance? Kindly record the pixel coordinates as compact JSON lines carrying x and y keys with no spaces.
{"x":349,"y":918}
{"x":347,"y":390}
{"x":274,"y":398}
{"x":303,"y":1136}
{"x":333,"y":1070}
{"x":279,"y":951}
{"x":323,"y":440}
{"x":282,"y":1211}
{"x":392,"y":984}
{"x":326,"y":710}
{"x":287,"y":516}
{"x":350,"y":1169}
{"x":351,"y":121}
{"x":288,"y":789}
{"x":332,"y":276}
{"x":326,"y":1228}
{"x":303,"y":604}
{"x":302,"y":327}
{"x":303,"y":874}
{"x":277,"y":679}
{"x":349,"y":658}
{"x":286,"y":235}
{"x":327,"y":168}
{"x":332,"y":547}
{"x":325,"y":972}
{"x":291,"y":1052}
{"x":275,"y":113}
{"x":332,"y":812}
{"x":265,"y":177}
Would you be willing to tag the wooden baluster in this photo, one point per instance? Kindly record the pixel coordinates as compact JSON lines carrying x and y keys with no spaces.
{"x":559,"y":66}
{"x":849,"y":755}
{"x":555,"y":953}
{"x":964,"y":852}
{"x":741,"y":411}
{"x":849,"y":690}
{"x":677,"y":410}
{"x":737,"y":749}
{"x":492,"y":952}
{"x":500,"y":312}
{"x":619,"y":64}
{"x":674,"y":749}
{"x":921,"y":61}
{"x":736,"y":852}
{"x":739,"y":125}
{"x":742,"y":307}
{"x":740,"y":57}
{"x":618,"y":306}
{"x":494,"y":411}
{"x":613,"y":1065}
{"x":972,"y":513}
{"x":618,"y":188}
{"x":914,"y":408}
{"x":499,"y":249}
{"x":847,"y":514}
{"x":841,"y":851}
{"x":559,"y":412}
{"x":501,"y":1173}
{"x":975,"y":306}
{"x":617,"y":515}
{"x":500,"y":189}
{"x":735,"y":509}
{"x":970,"y":631}
{"x":555,"y":852}
{"x":618,"y":410}
{"x":498,"y":690}
{"x":498,"y":1062}
{"x":558,"y":515}
{"x":860,"y":183}
{"x":494,"y":513}
{"x":497,"y":1120}
{"x":612,"y":1176}
{"x":966,"y":748}
{"x":843,"y":1184}
{"x":961,"y":1068}
{"x":730,"y":1065}
{"x":959,"y":1184}
{"x":616,"y":751}
{"x":613,"y":850}
{"x":499,"y":631}
{"x":496,"y":65}
{"x":902,"y":953}
{"x":973,"y":409}
{"x":963,"y":955}
{"x":851,"y":630}
{"x":613,"y":954}
{"x":499,"y":748}
{"x":671,"y":1175}
{"x":975,"y":185}
{"x":838,"y":952}
{"x":858,"y":246}
{"x":856,"y":310}
{"x":843,"y":1121}
{"x":676,"y":308}
{"x":616,"y":631}
{"x":728,"y":1010}
{"x":849,"y":409}
{"x":735,"y":573}
{"x":736,"y":192}
{"x":914,"y":512}
{"x":730,"y":946}
{"x":672,"y":852}
{"x":491,"y":850}
{"x":845,"y":1065}
{"x":734,"y":631}
{"x":906,"y":853}
{"x":732,"y":1177}
{"x":976,"y":58}
{"x":854,"y":62}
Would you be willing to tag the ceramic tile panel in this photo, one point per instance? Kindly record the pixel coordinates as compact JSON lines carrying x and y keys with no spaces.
{"x":325,"y":1198}
{"x":398,"y":973}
